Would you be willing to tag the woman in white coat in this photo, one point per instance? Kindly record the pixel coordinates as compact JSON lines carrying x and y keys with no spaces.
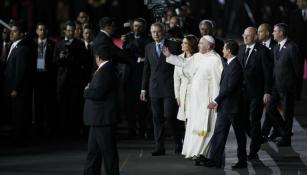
{"x":181,"y":82}
{"x":182,"y":86}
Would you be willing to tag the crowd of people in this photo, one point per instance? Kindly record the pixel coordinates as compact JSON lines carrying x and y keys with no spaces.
{"x":197,"y":86}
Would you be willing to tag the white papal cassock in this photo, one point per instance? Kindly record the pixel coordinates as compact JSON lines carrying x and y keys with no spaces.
{"x":204,"y":71}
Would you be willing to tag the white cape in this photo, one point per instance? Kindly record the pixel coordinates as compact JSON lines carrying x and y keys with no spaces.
{"x":204,"y":71}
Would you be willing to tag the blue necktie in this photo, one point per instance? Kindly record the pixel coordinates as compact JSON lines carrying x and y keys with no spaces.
{"x":158,"y":49}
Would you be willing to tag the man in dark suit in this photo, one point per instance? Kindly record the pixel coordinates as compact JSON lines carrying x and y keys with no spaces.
{"x":17,"y":83}
{"x":297,"y":33}
{"x":137,"y":110}
{"x":70,"y":59}
{"x":159,"y":85}
{"x":257,"y":84}
{"x":265,"y":38}
{"x":286,"y":77}
{"x":207,"y":27}
{"x":45,"y":83}
{"x":5,"y":48}
{"x":100,"y":113}
{"x":104,"y":38}
{"x":90,"y":63}
{"x":228,"y":104}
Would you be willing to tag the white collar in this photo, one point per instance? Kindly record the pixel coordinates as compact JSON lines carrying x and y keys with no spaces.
{"x":230,"y":60}
{"x":161,"y":42}
{"x":105,"y":32}
{"x":12,"y":47}
{"x":282,"y":43}
{"x":15,"y":43}
{"x":42,"y":40}
{"x":101,"y":64}
{"x":251,"y":46}
{"x":267,"y":43}
{"x":69,"y":40}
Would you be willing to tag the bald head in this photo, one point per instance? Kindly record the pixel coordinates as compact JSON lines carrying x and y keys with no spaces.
{"x":250,"y":35}
{"x":264,"y":32}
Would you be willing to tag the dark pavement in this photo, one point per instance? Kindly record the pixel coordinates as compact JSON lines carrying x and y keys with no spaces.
{"x":67,"y":157}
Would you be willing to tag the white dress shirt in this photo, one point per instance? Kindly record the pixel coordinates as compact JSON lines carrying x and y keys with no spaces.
{"x":230,"y":60}
{"x":282,"y":43}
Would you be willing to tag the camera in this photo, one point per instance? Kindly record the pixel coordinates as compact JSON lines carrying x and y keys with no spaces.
{"x":65,"y":52}
{"x":157,"y":7}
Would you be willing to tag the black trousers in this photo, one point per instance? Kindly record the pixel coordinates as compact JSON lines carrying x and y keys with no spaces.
{"x":164,"y":111}
{"x":44,"y":104}
{"x":219,"y":138}
{"x":18,"y":111}
{"x":102,"y":145}
{"x":253,"y":108}
{"x":137,"y":112}
{"x":286,"y":101}
{"x":70,"y":102}
{"x":268,"y":125}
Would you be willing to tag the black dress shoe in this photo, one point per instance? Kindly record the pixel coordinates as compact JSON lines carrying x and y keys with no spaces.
{"x":239,"y":165}
{"x":272,"y":137}
{"x":263,"y":139}
{"x":253,"y":156}
{"x":284,"y":142}
{"x":200,"y":160}
{"x":196,"y":162}
{"x":212,"y":163}
{"x":158,"y":152}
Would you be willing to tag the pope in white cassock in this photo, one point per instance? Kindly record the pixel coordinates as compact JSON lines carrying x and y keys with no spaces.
{"x":204,"y":70}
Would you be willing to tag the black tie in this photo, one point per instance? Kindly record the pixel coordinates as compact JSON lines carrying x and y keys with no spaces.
{"x":41,"y":49}
{"x":246,"y":56}
{"x":278,"y":51}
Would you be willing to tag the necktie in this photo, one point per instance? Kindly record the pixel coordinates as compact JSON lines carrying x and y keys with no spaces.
{"x":245,"y":58}
{"x":278,"y":51}
{"x":158,"y":49}
{"x":41,"y":49}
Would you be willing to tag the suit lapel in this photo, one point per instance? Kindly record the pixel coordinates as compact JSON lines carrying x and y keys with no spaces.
{"x":278,"y":52}
{"x":255,"y":49}
{"x":241,"y":55}
{"x":12,"y":52}
{"x":47,"y":57}
{"x":284,"y":46}
{"x":155,"y":58}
